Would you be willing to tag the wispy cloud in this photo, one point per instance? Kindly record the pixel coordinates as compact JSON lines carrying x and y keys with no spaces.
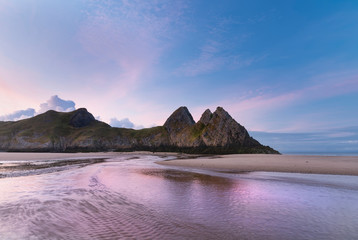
{"x":214,"y":57}
{"x":323,"y":87}
{"x":131,"y":35}
{"x":328,"y":141}
{"x":217,"y":53}
{"x":143,"y":113}
{"x":17,"y":88}
{"x":257,"y":105}
{"x":208,"y":61}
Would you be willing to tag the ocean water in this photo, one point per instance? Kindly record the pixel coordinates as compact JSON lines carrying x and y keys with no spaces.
{"x":321,"y":153}
{"x":131,"y":197}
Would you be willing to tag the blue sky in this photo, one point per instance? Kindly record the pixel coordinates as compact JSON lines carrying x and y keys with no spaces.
{"x":278,"y":67}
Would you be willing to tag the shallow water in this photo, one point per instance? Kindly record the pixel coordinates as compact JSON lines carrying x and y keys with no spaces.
{"x":132,"y":197}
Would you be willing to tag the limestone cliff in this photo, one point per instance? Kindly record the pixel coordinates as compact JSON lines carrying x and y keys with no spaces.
{"x":215,"y":132}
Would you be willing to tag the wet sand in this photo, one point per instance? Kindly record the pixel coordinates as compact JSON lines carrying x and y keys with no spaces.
{"x":128,"y":196}
{"x":338,"y":165}
{"x":23,"y":156}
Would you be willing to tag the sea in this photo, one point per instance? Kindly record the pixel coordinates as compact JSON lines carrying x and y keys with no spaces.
{"x":131,"y":197}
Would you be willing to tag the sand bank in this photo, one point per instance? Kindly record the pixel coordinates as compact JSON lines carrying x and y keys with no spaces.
{"x":342,"y":165}
{"x":22,"y":156}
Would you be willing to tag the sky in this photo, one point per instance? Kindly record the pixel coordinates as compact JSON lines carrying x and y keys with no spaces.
{"x":286,"y":70}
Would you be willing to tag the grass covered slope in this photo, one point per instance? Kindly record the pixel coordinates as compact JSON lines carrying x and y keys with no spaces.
{"x":48,"y":131}
{"x":80,"y":131}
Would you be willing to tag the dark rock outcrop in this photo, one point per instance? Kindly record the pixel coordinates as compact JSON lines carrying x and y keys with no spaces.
{"x":179,"y":120}
{"x":81,"y":118}
{"x":223,"y":130}
{"x":215,"y":132}
{"x":206,"y":117}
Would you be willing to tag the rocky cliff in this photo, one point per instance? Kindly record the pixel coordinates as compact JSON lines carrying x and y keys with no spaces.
{"x":215,"y":132}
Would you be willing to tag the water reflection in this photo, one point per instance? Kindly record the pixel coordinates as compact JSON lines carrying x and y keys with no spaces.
{"x":182,"y":176}
{"x":131,"y":197}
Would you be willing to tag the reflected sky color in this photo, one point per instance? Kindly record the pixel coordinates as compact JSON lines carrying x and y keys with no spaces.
{"x":136,"y":198}
{"x":277,"y":66}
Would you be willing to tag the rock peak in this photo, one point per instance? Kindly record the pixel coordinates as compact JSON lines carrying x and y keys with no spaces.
{"x":220,"y":110}
{"x":81,"y":118}
{"x":81,"y":110}
{"x":221,"y":113}
{"x":179,"y":119}
{"x":206,"y":117}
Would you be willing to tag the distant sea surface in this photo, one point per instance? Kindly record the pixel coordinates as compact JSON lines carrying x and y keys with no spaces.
{"x":322,"y":153}
{"x":132,"y":197}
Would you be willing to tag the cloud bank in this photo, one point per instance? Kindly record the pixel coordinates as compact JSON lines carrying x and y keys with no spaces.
{"x":123,"y":123}
{"x":60,"y":105}
{"x":18,"y":115}
{"x":54,"y":103}
{"x":57,"y":104}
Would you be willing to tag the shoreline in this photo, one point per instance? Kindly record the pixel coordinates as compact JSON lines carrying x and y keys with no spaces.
{"x":234,"y":163}
{"x":30,"y":156}
{"x":311,"y":164}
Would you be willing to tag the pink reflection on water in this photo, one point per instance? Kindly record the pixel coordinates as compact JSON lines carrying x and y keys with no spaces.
{"x":135,"y":198}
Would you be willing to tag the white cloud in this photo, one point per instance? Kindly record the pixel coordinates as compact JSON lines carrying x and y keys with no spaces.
{"x":57,"y":104}
{"x":124,"y":123}
{"x":54,"y":103}
{"x":18,"y":115}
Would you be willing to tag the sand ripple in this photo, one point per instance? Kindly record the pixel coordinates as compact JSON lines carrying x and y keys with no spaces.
{"x":93,"y":214}
{"x":136,"y":199}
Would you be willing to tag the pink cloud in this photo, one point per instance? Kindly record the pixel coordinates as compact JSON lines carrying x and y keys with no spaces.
{"x":328,"y":88}
{"x":18,"y":89}
{"x":251,"y":109}
{"x":143,"y":112}
{"x":129,"y":34}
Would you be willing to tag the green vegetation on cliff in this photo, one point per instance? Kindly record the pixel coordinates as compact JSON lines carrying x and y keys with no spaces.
{"x":79,"y":131}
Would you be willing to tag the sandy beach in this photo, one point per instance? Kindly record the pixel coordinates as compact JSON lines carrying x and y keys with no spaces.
{"x":23,"y":156}
{"x":128,"y":195}
{"x":339,"y":165}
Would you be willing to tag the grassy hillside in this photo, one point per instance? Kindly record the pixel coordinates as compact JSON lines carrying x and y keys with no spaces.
{"x":79,"y":131}
{"x":55,"y":129}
